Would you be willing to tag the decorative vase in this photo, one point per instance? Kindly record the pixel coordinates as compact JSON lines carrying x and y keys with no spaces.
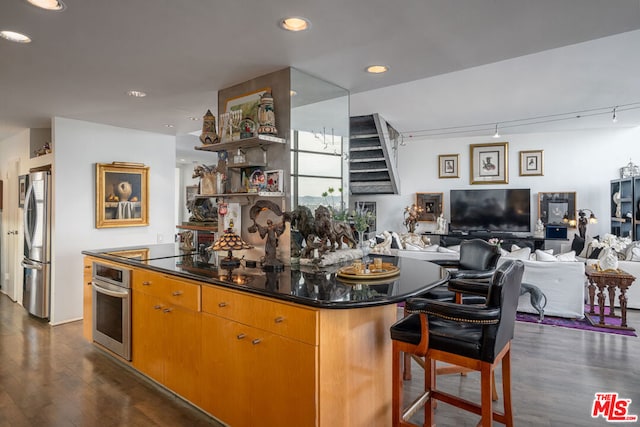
{"x":124,"y":191}
{"x":363,"y":244}
{"x":267,"y":115}
{"x":608,"y":259}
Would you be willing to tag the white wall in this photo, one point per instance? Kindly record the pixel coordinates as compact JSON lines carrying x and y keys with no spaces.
{"x":583,"y":162}
{"x":78,"y":146}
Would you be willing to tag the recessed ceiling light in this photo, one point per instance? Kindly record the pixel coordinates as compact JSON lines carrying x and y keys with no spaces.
{"x":295,"y":23}
{"x":377,"y":69}
{"x":168,"y":125}
{"x":292,"y":92}
{"x":136,"y":93}
{"x":12,"y":36}
{"x":195,"y":119}
{"x":48,"y":4}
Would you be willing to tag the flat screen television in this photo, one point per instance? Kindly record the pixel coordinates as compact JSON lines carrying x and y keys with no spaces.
{"x":495,"y":210}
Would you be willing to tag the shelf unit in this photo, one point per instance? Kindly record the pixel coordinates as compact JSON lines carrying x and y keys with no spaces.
{"x":624,"y":225}
{"x":242,"y":144}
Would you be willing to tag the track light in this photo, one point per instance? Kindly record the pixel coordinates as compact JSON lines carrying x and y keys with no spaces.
{"x":614,"y":119}
{"x":496,"y":134}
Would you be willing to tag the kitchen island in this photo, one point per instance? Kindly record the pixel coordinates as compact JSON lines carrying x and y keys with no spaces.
{"x":298,"y":347}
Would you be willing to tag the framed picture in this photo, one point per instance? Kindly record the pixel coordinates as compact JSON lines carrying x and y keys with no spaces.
{"x":531,"y":163}
{"x":448,"y":166}
{"x":248,"y":104}
{"x":489,"y":163}
{"x":430,"y":205}
{"x":273,"y":180}
{"x":122,"y":194}
{"x":253,"y":179}
{"x":554,"y":207}
{"x":191,"y":191}
{"x":23,"y":181}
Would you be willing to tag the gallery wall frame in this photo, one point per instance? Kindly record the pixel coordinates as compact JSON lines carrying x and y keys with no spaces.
{"x":554,"y":206}
{"x":122,"y":195}
{"x":531,"y":163}
{"x":489,"y":163}
{"x":430,"y":205}
{"x":448,"y":166}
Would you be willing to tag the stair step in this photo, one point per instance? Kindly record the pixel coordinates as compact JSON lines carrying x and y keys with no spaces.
{"x":369,"y":170}
{"x":366,"y":148}
{"x":364,"y":135}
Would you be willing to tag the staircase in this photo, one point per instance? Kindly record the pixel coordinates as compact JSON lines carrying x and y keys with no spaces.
{"x":373,"y":159}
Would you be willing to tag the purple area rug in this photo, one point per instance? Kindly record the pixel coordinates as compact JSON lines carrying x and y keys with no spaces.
{"x":582,"y":324}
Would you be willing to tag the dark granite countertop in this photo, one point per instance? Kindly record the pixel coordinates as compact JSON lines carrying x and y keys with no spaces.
{"x":320,"y":288}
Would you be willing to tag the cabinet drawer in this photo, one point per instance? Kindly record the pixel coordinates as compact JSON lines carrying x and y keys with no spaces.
{"x":284,"y":319}
{"x":172,"y":290}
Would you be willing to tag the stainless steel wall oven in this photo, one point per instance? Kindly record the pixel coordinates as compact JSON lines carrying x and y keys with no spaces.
{"x":112,"y":308}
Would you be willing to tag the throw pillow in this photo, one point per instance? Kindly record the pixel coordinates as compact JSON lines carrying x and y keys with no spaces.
{"x":395,"y":241}
{"x":578,"y":244}
{"x":519,"y":253}
{"x":446,"y":250}
{"x":595,"y":253}
{"x":635,"y":254}
{"x":431,"y":248}
{"x":629,"y":251}
{"x":544,"y":256}
{"x":568,"y":256}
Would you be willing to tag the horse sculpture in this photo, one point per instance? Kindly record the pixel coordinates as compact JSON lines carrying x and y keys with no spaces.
{"x":320,"y":231}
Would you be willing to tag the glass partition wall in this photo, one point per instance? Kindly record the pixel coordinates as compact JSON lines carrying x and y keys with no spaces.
{"x":319,"y":143}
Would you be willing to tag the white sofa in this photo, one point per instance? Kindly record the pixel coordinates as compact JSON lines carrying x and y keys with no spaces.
{"x":562,"y":282}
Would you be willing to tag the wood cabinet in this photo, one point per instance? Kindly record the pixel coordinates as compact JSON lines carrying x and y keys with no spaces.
{"x":246,"y":358}
{"x":251,"y":373}
{"x":87,"y":299}
{"x":165,"y":331}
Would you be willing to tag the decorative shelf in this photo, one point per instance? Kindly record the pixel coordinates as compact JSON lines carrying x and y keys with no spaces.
{"x":616,"y":219}
{"x":246,"y":165}
{"x":257,"y":141}
{"x":213,"y":229}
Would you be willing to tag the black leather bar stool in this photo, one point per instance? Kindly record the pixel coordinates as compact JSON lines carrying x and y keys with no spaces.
{"x":475,"y":337}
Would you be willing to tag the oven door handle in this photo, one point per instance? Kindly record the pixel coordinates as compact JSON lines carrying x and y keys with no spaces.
{"x":109,"y":292}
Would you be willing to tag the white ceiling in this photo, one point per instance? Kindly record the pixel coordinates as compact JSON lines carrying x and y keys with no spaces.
{"x":453,"y":62}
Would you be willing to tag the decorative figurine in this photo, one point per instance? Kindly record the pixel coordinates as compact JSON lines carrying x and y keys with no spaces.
{"x":539,"y":230}
{"x":442,"y":225}
{"x":209,"y":134}
{"x":247,"y":128}
{"x":272,"y":231}
{"x":267,"y":115}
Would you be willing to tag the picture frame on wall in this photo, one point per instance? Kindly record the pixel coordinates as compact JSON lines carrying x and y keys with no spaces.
{"x":122,"y":194}
{"x":554,"y":206}
{"x":23,"y":181}
{"x":274,"y":180}
{"x":248,"y":103}
{"x":531,"y":163}
{"x":448,"y":166}
{"x":430,"y":205}
{"x":489,"y":163}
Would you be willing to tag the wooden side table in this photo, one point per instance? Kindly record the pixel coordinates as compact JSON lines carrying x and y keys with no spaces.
{"x":609,"y":280}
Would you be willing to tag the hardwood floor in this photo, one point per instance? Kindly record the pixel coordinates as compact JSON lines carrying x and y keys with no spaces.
{"x":50,"y":376}
{"x":555,"y":375}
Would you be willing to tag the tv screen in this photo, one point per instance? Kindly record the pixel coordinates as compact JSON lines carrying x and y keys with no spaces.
{"x":507,"y":210}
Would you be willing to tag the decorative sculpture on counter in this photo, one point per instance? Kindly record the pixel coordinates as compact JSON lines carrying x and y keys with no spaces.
{"x":212,"y":178}
{"x":267,"y":115}
{"x":320,"y":232}
{"x":209,"y":131}
{"x":272,"y":231}
{"x":186,"y":241}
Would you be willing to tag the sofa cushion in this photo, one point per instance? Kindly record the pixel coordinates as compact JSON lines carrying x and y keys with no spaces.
{"x":578,"y":244}
{"x":520,"y":253}
{"x":546,"y":257}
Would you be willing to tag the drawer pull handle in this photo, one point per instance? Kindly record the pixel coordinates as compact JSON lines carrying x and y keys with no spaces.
{"x":89,"y":283}
{"x":157,"y":307}
{"x":241,"y":336}
{"x":279,"y":319}
{"x":177,"y":293}
{"x":222,"y":304}
{"x":146,"y":283}
{"x":168,"y":310}
{"x":256,"y":341}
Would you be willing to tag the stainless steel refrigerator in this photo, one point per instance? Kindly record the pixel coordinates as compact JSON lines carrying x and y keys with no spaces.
{"x":37,"y":244}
